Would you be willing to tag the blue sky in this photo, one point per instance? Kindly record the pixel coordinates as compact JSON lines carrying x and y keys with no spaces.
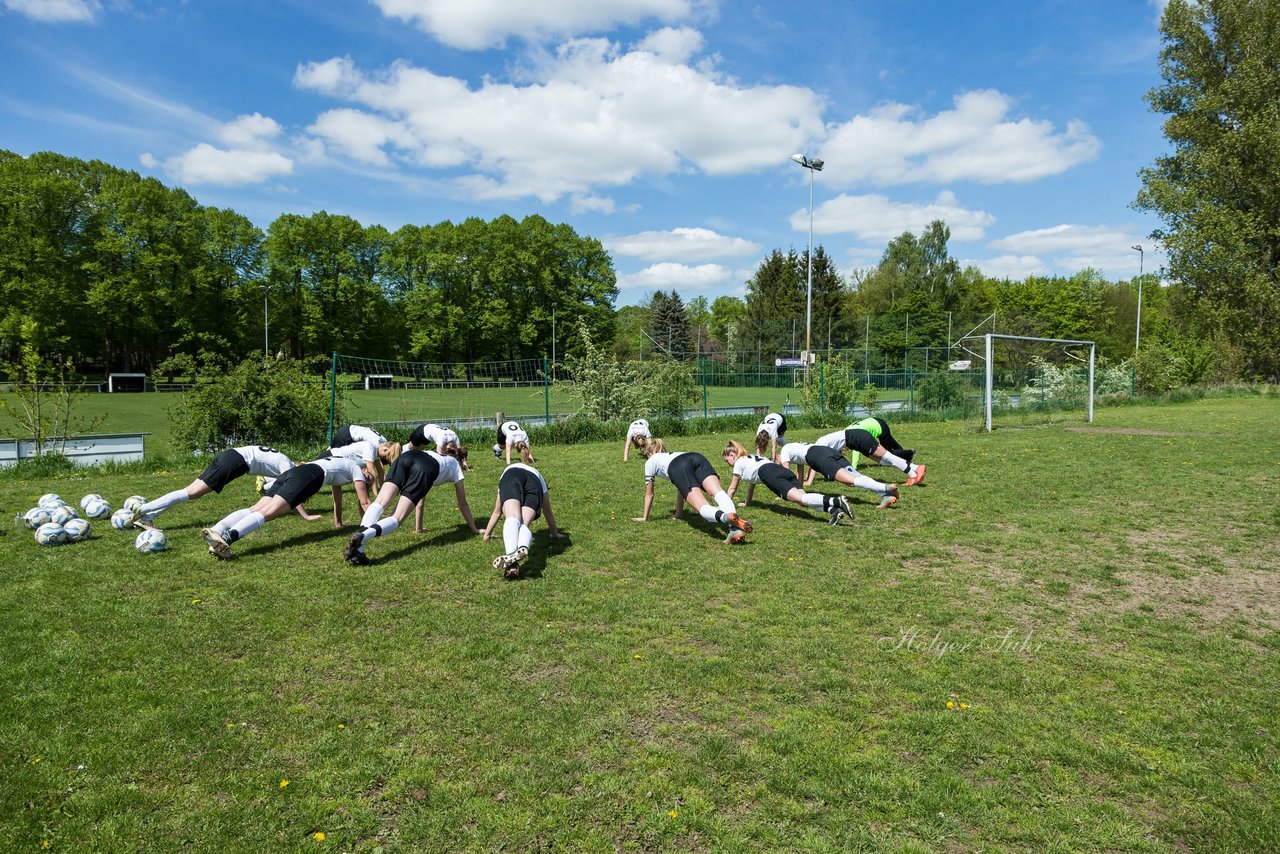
{"x":662,"y":127}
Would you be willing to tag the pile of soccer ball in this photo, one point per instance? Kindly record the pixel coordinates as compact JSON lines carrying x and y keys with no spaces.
{"x":55,"y":522}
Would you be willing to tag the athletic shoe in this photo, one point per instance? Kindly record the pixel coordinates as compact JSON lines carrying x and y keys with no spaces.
{"x":520,"y":554}
{"x":738,"y":522}
{"x":736,"y":537}
{"x":917,"y":477}
{"x":354,"y":542}
{"x":135,"y":516}
{"x":835,"y":515}
{"x":843,"y":504}
{"x":501,"y":562}
{"x":359,"y":559}
{"x":497,"y":452}
{"x":906,"y":453}
{"x":890,"y":498}
{"x":145,"y":523}
{"x":259,"y":484}
{"x":218,"y":545}
{"x":512,"y":570}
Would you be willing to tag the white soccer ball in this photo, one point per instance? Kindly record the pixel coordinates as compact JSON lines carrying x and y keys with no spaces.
{"x":37,"y":516}
{"x":98,"y":508}
{"x":50,"y":501}
{"x":134,"y":502}
{"x":150,"y":541}
{"x":50,"y":534}
{"x":77,"y":530}
{"x":62,"y":515}
{"x":92,"y":496}
{"x":121,"y":519}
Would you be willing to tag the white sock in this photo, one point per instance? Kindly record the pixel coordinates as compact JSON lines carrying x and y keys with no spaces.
{"x":250,"y":523}
{"x":911,"y":472}
{"x":869,"y":483}
{"x":164,"y":502}
{"x":711,"y":514}
{"x":387,"y":525}
{"x":224,"y":527}
{"x":814,"y":499}
{"x":892,"y":460}
{"x":526,"y":536}
{"x":372,"y":515}
{"x":511,"y":534}
{"x":723,"y":501}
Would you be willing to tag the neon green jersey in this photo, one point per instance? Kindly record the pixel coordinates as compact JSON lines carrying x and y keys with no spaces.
{"x":871,"y":425}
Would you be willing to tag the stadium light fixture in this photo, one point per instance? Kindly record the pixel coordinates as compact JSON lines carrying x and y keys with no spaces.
{"x":1137,"y":335}
{"x":814,"y":165}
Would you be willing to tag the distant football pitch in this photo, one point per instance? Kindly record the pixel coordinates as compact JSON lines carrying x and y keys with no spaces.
{"x":1068,"y":638}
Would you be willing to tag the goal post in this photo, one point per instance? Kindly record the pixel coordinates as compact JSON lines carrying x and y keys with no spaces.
{"x":989,"y":340}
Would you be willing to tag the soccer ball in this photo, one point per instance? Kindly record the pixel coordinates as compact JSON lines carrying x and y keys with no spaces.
{"x":50,"y":534}
{"x":92,"y":496}
{"x":62,"y":515}
{"x":133,"y":502}
{"x":121,"y":519}
{"x":37,"y":516}
{"x":51,"y":502}
{"x":98,"y":508}
{"x":151,"y":540}
{"x":77,"y":530}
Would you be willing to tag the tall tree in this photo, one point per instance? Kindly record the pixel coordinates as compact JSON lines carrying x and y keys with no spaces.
{"x":669,"y":324}
{"x":1218,"y":192}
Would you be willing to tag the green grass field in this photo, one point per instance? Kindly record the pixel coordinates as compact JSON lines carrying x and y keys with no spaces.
{"x":1065,"y":640}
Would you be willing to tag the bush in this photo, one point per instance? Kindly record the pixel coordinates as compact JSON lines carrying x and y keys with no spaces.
{"x":260,"y":401}
{"x":939,"y":390}
{"x":1156,"y":368}
{"x":604,"y":387}
{"x":667,"y":387}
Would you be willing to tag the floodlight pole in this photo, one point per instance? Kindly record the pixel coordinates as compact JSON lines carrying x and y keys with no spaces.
{"x":1137,"y":335}
{"x":266,"y":345}
{"x":814,"y":165}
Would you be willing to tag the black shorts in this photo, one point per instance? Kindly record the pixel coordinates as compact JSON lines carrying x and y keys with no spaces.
{"x":779,"y":479}
{"x":419,"y":437}
{"x":824,"y":460}
{"x":860,"y":441}
{"x":782,"y":425}
{"x":523,"y":486}
{"x":414,"y":472}
{"x":688,"y":471}
{"x":226,"y":467}
{"x":298,"y":484}
{"x":342,"y":437}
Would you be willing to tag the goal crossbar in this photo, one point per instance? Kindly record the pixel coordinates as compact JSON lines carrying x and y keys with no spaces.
{"x":989,"y":392}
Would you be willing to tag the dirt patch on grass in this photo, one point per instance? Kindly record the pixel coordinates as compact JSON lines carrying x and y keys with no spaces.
{"x":1240,"y":594}
{"x":1123,"y":431}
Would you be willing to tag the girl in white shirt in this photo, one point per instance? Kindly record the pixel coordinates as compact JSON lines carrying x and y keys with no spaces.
{"x":755,"y":469}
{"x":637,"y":434}
{"x":770,"y":435}
{"x":694,"y":478}
{"x":833,"y":466}
{"x":522,"y":496}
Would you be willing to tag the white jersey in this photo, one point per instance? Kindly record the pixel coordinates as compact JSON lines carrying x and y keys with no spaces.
{"x":541,"y":481}
{"x":639,"y":427}
{"x":747,"y":467}
{"x":793,"y":452}
{"x":265,"y":461}
{"x":364,"y":451}
{"x":833,"y":440}
{"x":450,"y":471}
{"x":338,"y":471}
{"x":439,"y":436}
{"x":658,"y":464}
{"x":516,"y":435}
{"x":365,"y":434}
{"x":769,"y":426}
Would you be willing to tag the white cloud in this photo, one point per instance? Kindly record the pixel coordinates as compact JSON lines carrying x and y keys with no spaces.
{"x":1008,"y":266}
{"x":684,"y":244}
{"x":477,"y":24}
{"x":681,"y":277}
{"x":877,"y":218}
{"x":595,"y":117}
{"x":673,"y":44}
{"x":250,"y":158}
{"x":358,"y":135}
{"x":56,"y":11}
{"x":975,"y":141}
{"x":1064,"y":238}
{"x":1067,"y":249}
{"x":581,"y":203}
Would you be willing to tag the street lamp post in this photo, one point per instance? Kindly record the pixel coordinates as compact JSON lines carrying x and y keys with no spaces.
{"x":814,"y":165}
{"x":1137,"y":335}
{"x":266,"y":340}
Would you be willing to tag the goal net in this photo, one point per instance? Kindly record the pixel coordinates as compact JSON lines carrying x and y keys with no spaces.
{"x":1023,"y":379}
{"x":392,"y":395}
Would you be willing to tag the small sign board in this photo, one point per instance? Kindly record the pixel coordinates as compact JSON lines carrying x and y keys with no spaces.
{"x":788,"y":363}
{"x":962,"y":365}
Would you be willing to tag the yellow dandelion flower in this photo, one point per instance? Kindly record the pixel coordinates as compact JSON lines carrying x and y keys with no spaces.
{"x":637,"y":655}
{"x":673,"y":813}
{"x":950,"y":704}
{"x":195,"y":601}
{"x":36,"y":761}
{"x":342,"y":726}
{"x":44,"y":844}
{"x":964,"y":705}
{"x":284,"y":783}
{"x":318,"y":836}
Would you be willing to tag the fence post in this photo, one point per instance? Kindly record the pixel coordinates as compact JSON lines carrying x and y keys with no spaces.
{"x":333,"y":393}
{"x":546,"y":390}
{"x":911,"y":385}
{"x":702,"y":366}
{"x":822,"y":388}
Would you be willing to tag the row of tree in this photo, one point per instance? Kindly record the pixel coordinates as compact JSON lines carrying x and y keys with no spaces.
{"x":121,"y":272}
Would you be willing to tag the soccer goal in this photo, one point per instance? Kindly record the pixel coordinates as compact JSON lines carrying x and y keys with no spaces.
{"x":1028,"y":375}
